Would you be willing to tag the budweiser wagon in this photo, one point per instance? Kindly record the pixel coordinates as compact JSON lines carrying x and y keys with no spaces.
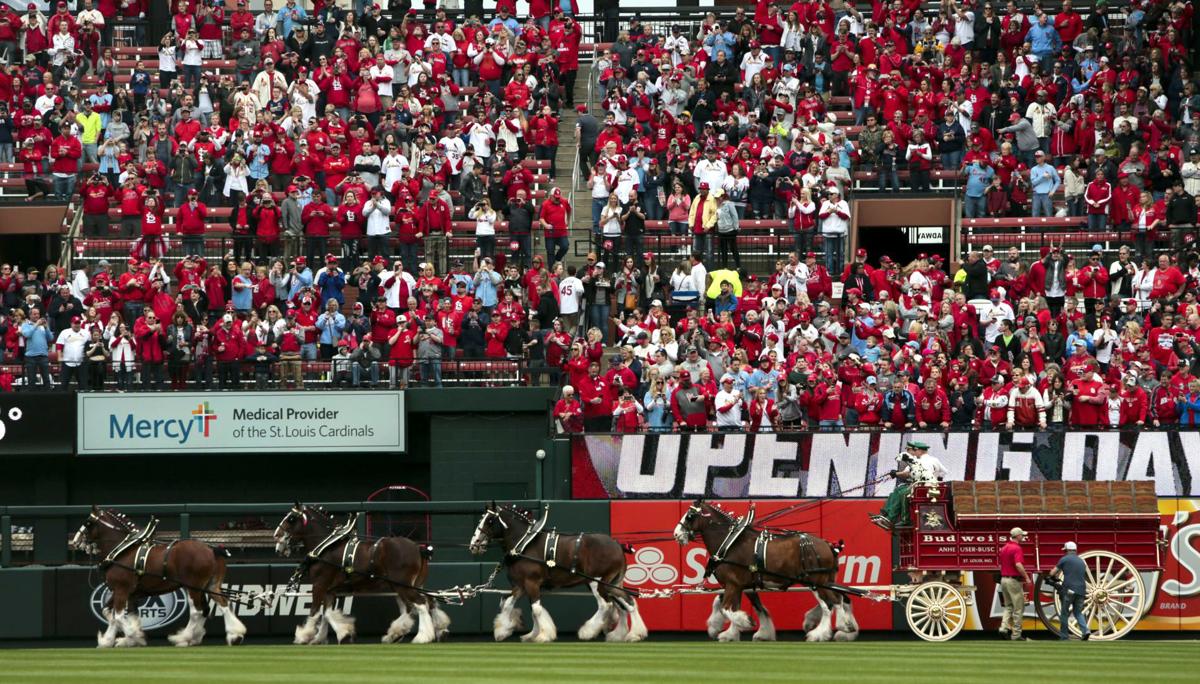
{"x":958,"y":527}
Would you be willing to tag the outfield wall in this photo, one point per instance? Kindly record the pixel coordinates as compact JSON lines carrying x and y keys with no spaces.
{"x":62,"y":603}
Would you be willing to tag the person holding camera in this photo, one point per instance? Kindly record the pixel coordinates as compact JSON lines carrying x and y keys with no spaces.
{"x":485,"y":227}
{"x":96,"y":195}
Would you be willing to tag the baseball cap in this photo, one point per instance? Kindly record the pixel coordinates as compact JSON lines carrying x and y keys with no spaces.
{"x":1070,"y":546}
{"x":1016,"y":532}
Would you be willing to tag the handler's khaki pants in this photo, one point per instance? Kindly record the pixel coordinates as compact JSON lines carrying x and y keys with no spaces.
{"x":1014,"y":610}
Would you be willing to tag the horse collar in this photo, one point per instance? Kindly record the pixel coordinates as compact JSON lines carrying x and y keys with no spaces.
{"x":338,"y":535}
{"x":534,"y":530}
{"x":134,"y":538}
{"x":735,"y":531}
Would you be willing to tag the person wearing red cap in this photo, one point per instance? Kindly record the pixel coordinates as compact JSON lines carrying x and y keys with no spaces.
{"x":1089,"y":394}
{"x":1026,"y":406}
{"x":70,"y":343}
{"x":1097,"y":196}
{"x":316,"y":217}
{"x":554,"y":217}
{"x":191,"y":223}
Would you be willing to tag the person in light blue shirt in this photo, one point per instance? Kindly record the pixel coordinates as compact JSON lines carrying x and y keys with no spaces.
{"x":331,"y":324}
{"x":259,"y":155}
{"x":243,"y":290}
{"x":38,"y":339}
{"x":1043,"y":39}
{"x":290,"y":15}
{"x":98,"y":99}
{"x":657,"y":407}
{"x":1044,"y":180}
{"x":720,"y":42}
{"x":979,"y":175}
{"x":765,"y":376}
{"x":486,"y":281}
{"x":302,"y":278}
{"x":503,"y":18}
{"x":1082,"y":338}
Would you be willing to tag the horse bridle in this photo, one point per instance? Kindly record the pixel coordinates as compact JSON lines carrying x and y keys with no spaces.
{"x":282,"y":537}
{"x":488,"y":514}
{"x":91,"y":548}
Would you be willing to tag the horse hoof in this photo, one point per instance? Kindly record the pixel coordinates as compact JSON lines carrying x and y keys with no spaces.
{"x":390,"y":638}
{"x":759,"y":636}
{"x":235,"y":639}
{"x":634,"y":637}
{"x":543,"y":639}
{"x":729,"y":635}
{"x":528,"y":637}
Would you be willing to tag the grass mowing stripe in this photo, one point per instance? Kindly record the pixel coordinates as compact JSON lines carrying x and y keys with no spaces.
{"x":868,"y":662}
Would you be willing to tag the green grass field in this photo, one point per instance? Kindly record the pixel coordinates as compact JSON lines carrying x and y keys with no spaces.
{"x":654,"y":661}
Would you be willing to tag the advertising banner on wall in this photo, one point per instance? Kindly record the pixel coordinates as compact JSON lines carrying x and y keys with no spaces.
{"x":865,"y":560}
{"x":31,"y":423}
{"x":836,"y":464}
{"x":239,"y":422}
{"x":1173,"y":601}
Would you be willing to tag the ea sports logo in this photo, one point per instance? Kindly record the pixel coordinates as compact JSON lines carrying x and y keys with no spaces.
{"x":14,"y":414}
{"x":155,"y":611}
{"x":649,"y":566}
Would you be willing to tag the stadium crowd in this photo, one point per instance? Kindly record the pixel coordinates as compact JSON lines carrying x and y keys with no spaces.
{"x":359,"y":138}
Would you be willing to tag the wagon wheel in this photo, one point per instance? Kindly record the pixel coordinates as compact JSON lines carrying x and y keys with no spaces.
{"x":1046,"y":604}
{"x":936,"y":611}
{"x":1116,"y":598}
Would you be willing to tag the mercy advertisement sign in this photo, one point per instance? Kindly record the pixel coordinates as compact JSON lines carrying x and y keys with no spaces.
{"x":235,"y":422}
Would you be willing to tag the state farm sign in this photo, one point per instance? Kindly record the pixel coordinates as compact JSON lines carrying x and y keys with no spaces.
{"x":866,"y":560}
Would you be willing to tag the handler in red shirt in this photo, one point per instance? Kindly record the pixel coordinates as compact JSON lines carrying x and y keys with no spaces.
{"x":1013,"y":579}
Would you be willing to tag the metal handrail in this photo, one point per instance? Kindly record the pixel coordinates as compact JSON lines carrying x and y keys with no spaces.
{"x":68,"y":248}
{"x":434,"y":507}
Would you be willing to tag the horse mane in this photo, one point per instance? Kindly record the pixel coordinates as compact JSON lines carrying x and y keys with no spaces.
{"x":121,"y":518}
{"x":725,"y":515}
{"x":519,"y":512}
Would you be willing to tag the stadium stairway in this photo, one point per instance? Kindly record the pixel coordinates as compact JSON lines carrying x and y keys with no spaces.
{"x":568,"y":156}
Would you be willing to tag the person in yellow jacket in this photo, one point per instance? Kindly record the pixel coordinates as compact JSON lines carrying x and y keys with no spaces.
{"x":89,"y":132}
{"x":702,"y":220}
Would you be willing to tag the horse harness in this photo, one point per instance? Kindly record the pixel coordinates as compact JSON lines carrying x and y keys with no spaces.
{"x":530,"y":534}
{"x":809,"y":558}
{"x":735,"y":531}
{"x":142,"y":543}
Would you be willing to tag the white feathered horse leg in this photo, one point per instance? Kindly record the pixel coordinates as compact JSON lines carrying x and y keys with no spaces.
{"x":766,"y":626}
{"x":822,"y":631}
{"x":847,"y":626}
{"x":107,"y":638}
{"x":595,"y":624}
{"x":401,"y":626}
{"x":716,"y":619}
{"x":508,"y":620}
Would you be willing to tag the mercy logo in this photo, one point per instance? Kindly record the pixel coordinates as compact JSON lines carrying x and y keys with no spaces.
{"x":205,"y":414}
{"x":177,"y":429}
